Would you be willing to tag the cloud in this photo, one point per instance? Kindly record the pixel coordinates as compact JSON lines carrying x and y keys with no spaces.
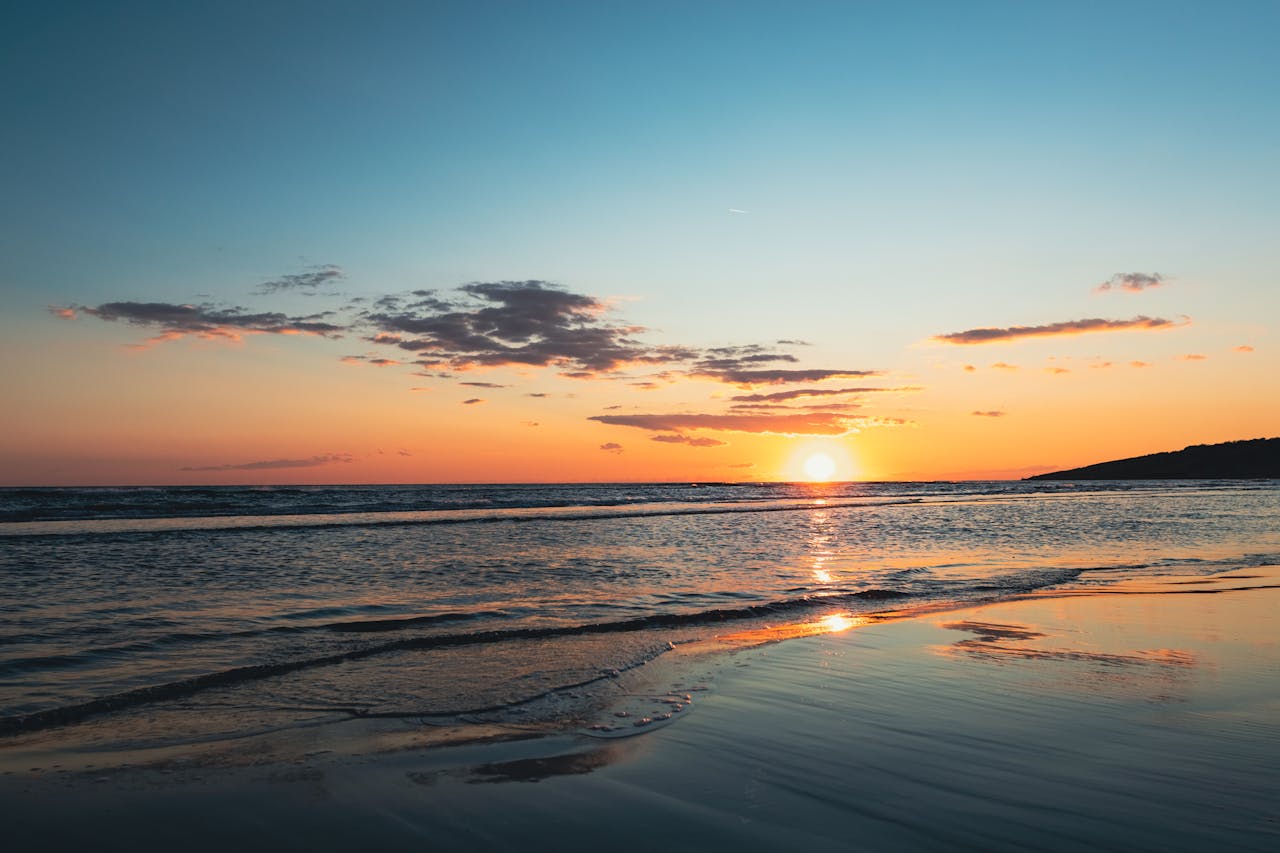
{"x":799,"y":393}
{"x":534,"y":323}
{"x":64,"y":312}
{"x":743,"y":465}
{"x":989,"y":414}
{"x":748,"y":378}
{"x":1140,"y":364}
{"x":310,"y":280}
{"x":1193,"y":356}
{"x":494,"y":324}
{"x":799,"y":423}
{"x":969,"y":368}
{"x":482,"y":384}
{"x":1133,"y":282}
{"x":537,"y":394}
{"x":472,"y":401}
{"x":1242,"y":348}
{"x":208,"y":321}
{"x":376,"y":361}
{"x":1002,"y":365}
{"x":1057,"y":371}
{"x":311,"y":462}
{"x":692,"y":441}
{"x":404,"y":452}
{"x":792,"y":342}
{"x":1068,"y":327}
{"x":611,"y":447}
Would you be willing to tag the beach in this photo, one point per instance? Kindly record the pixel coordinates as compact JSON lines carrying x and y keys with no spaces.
{"x":1140,"y":717}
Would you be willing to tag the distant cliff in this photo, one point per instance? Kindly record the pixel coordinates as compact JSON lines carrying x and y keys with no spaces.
{"x":1233,"y":460}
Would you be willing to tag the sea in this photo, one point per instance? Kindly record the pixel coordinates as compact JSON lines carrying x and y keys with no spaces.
{"x":233,"y":610}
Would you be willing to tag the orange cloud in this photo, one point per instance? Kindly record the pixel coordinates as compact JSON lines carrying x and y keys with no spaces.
{"x":807,"y":423}
{"x":800,"y":393}
{"x":749,"y":378}
{"x":692,"y":441}
{"x":1068,"y":327}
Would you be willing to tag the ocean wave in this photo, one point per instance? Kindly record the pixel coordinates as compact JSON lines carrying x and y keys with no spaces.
{"x":66,"y":714}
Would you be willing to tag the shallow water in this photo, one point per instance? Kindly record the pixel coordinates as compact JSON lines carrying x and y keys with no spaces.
{"x":440,"y":601}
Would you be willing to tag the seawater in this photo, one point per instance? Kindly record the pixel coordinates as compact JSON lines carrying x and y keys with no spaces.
{"x":283,"y":603}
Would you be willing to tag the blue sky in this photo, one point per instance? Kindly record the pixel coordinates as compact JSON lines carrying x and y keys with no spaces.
{"x":902,"y":169}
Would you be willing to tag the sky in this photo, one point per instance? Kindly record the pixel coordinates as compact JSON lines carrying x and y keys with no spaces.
{"x":414,"y":242}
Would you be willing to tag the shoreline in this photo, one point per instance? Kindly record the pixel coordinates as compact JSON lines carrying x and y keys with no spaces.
{"x":1140,"y":717}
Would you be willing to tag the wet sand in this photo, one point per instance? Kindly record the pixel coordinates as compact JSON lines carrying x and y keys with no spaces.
{"x":1145,"y":718}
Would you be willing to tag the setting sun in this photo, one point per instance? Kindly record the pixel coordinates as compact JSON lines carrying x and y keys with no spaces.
{"x":819,"y":467}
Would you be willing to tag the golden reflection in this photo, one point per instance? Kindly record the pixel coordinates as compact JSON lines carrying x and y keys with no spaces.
{"x":830,"y":624}
{"x":837,"y":622}
{"x":819,"y":545}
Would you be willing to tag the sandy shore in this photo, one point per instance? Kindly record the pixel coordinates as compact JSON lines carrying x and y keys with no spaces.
{"x":1147,"y":718}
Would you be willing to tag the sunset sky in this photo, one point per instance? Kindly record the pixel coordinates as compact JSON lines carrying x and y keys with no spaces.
{"x":314,"y":242}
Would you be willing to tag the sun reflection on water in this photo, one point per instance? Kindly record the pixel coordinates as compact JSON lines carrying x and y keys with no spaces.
{"x":836,"y":622}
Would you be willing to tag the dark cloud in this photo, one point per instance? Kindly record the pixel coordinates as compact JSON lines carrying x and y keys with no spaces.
{"x":534,"y":323}
{"x":376,"y":361}
{"x":988,"y":414}
{"x":493,"y":324}
{"x":798,"y":423}
{"x":472,"y":401}
{"x":692,"y":441}
{"x":800,"y":393}
{"x":312,"y":462}
{"x":309,"y":280}
{"x":611,"y":447}
{"x":748,"y":378}
{"x":1069,"y":327}
{"x":785,"y":342}
{"x":482,"y":384}
{"x":208,"y":321}
{"x":1133,"y":282}
{"x":715,"y":359}
{"x":537,"y":394}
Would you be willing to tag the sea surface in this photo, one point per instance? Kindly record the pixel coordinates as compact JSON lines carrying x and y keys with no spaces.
{"x":255,"y":607}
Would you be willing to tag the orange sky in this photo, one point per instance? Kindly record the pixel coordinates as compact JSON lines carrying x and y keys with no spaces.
{"x":618,"y":242}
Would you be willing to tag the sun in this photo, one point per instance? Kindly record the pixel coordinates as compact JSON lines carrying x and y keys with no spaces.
{"x":819,"y":467}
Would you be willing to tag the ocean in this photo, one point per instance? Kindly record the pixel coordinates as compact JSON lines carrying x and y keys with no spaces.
{"x":214,"y":612}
